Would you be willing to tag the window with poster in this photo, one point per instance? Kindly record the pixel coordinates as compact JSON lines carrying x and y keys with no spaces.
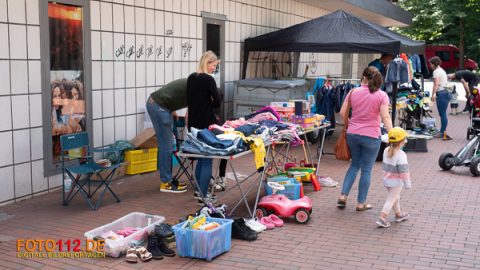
{"x":65,"y":74}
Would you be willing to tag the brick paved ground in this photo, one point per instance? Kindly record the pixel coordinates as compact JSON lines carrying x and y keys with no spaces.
{"x":443,"y":232}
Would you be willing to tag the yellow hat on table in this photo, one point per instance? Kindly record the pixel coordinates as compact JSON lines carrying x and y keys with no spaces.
{"x":397,"y":134}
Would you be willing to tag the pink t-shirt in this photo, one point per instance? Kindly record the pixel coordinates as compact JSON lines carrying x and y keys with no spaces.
{"x":366,"y":111}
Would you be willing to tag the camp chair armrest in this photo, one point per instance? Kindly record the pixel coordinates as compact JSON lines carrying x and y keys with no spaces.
{"x":106,"y":149}
{"x":68,"y":157}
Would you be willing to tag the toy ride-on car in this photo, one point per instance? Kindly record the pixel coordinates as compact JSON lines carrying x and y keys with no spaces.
{"x":282,"y":206}
{"x":468,"y":156}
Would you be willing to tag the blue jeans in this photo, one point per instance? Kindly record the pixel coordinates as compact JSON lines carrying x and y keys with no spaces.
{"x":203,"y":173}
{"x":162,"y":124}
{"x":443,"y":98}
{"x":364,"y":151}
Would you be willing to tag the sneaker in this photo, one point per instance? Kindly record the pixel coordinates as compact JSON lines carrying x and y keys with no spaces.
{"x":173,"y":188}
{"x":446,"y":137}
{"x":197,"y":196}
{"x":255,"y":225}
{"x":241,"y":231}
{"x":220,"y":184}
{"x":208,"y":199}
{"x":382,"y":223}
{"x":402,"y":217}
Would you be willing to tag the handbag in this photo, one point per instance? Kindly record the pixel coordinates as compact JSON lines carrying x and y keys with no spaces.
{"x":342,"y":152}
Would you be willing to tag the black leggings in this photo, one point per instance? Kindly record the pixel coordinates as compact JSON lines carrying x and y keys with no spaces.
{"x":222,"y":167}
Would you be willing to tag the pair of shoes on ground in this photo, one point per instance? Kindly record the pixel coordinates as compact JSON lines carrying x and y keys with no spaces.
{"x":326,"y":181}
{"x":241,"y":231}
{"x":210,"y":198}
{"x":271,"y":221}
{"x":342,"y":203}
{"x":173,"y":187}
{"x":137,"y":252}
{"x":158,"y":247}
{"x":385,"y":223}
{"x":255,"y":225}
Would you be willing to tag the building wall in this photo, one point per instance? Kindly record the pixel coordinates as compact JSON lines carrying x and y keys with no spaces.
{"x":121,"y":84}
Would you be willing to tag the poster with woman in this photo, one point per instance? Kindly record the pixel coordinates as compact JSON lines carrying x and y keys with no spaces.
{"x":66,"y":72}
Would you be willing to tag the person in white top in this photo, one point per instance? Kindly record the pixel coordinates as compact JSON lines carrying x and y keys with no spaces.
{"x":440,"y":94}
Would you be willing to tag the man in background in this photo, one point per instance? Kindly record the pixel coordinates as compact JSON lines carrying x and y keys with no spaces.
{"x":469,"y":81}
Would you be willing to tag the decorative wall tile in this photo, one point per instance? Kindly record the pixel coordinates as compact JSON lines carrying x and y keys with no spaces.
{"x":7,"y":191}
{"x":129,"y":19}
{"x":4,"y":77}
{"x":177,"y":49}
{"x":36,"y":137}
{"x":96,"y":74}
{"x":3,"y":11}
{"x":119,"y":71}
{"x":119,"y":102}
{"x":140,"y":46}
{"x":107,"y":74}
{"x":97,"y":133}
{"x":95,"y":15}
{"x":108,"y":131}
{"x":169,"y":49}
{"x":120,"y":128}
{"x":23,"y":180}
{"x":118,"y":46}
{"x":139,"y":20}
{"x":6,"y":113}
{"x":159,"y":48}
{"x":107,"y":103}
{"x":118,"y":18}
{"x":150,"y":48}
{"x":21,"y":145}
{"x":39,"y":182}
{"x":131,"y":126}
{"x":35,"y":110}
{"x":18,"y":41}
{"x":96,"y":104}
{"x":16,"y":11}
{"x":107,"y":46}
{"x":106,"y":16}
{"x":130,"y":48}
{"x":168,"y":24}
{"x":20,"y":111}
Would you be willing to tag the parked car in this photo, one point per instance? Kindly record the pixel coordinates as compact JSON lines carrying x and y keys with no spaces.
{"x":450,"y":56}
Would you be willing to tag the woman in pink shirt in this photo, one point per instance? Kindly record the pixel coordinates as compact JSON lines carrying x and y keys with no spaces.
{"x":369,"y":106}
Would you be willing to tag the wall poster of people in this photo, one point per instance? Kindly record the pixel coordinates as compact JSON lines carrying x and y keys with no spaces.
{"x":66,"y":72}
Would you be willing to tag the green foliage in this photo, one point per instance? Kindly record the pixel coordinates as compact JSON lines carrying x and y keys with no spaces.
{"x":438,"y":22}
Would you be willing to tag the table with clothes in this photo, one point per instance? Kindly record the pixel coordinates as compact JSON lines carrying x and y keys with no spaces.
{"x":255,"y":134}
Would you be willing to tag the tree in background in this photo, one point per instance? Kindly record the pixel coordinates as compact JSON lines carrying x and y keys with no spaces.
{"x":445,"y":22}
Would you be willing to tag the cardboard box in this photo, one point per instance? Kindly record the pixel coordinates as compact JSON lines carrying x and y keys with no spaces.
{"x":145,"y":139}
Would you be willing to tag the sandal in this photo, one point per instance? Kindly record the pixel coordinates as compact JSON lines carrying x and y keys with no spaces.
{"x":365,"y":206}
{"x":143,"y":254}
{"x":131,"y":256}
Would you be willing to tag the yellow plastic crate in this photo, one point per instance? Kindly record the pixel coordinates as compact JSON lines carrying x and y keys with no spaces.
{"x":141,"y":161}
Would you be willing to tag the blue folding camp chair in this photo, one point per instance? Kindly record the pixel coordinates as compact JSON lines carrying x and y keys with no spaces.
{"x":78,"y":164}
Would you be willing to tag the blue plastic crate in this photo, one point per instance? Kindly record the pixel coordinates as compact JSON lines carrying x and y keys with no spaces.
{"x":204,"y":244}
{"x":292,"y":187}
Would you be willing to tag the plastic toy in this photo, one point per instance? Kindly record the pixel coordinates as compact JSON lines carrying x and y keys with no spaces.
{"x":309,"y":176}
{"x":468,"y":156}
{"x":282,"y":206}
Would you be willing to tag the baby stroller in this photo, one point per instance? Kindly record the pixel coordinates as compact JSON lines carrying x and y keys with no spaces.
{"x":474,"y":126}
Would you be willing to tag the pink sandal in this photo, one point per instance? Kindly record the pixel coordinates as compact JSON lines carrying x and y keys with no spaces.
{"x":276,"y":220}
{"x":267,"y":222}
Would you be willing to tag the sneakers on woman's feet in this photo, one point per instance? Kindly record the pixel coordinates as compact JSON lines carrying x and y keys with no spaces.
{"x":220,"y":184}
{"x":382,"y":223}
{"x":402,"y":217}
{"x":173,"y":187}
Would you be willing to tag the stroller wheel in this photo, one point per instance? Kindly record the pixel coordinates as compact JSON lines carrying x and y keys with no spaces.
{"x":446,"y":161}
{"x":475,"y":166}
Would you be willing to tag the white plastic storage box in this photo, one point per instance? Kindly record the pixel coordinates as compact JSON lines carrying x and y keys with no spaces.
{"x":114,"y":248}
{"x":204,"y":244}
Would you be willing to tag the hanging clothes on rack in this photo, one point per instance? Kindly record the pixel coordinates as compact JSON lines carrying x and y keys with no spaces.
{"x":325,"y":102}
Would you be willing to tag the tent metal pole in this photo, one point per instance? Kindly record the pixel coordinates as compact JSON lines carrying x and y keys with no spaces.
{"x":245,"y":62}
{"x":394,"y":102}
